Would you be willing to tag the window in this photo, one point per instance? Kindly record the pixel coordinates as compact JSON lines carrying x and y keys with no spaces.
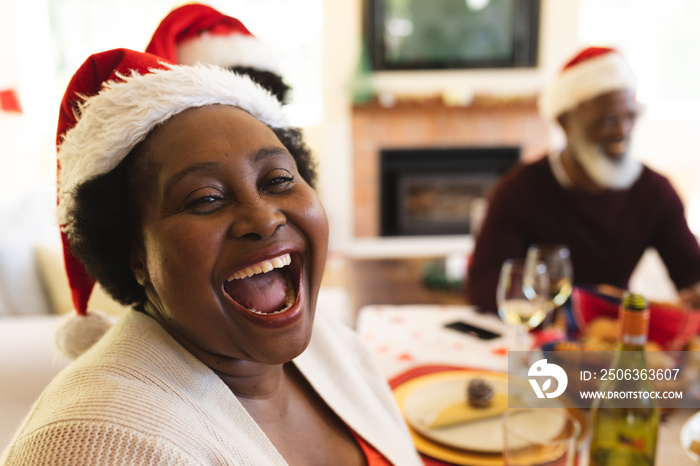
{"x":659,"y":38}
{"x":82,"y":27}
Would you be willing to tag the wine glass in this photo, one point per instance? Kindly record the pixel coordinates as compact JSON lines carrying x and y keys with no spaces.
{"x":515,"y":307}
{"x":555,"y":260}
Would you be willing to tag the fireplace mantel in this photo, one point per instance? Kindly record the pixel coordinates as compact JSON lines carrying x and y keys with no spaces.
{"x":431,"y":124}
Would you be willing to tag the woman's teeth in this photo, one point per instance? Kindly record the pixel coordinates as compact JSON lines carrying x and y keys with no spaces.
{"x":261,"y":267}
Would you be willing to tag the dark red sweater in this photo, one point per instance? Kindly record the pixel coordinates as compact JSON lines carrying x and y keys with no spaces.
{"x":607,"y":232}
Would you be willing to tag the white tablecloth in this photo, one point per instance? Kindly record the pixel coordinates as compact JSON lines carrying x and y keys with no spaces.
{"x":403,"y":337}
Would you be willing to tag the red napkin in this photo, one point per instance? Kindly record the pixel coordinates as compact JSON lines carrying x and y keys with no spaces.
{"x":670,"y":326}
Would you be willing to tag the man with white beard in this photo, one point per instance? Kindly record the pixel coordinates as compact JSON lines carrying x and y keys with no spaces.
{"x":592,"y":196}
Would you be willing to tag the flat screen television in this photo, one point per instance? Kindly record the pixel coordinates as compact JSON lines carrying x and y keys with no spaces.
{"x":448,"y":34}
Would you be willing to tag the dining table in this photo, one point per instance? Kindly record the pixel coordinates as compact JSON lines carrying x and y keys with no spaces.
{"x":412,"y":341}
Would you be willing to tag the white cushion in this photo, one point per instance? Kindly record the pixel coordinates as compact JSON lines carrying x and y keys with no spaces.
{"x":53,"y":276}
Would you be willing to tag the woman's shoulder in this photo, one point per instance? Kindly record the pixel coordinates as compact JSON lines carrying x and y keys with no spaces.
{"x":136,"y":390}
{"x":134,"y":372}
{"x":98,"y":411}
{"x":71,"y":441}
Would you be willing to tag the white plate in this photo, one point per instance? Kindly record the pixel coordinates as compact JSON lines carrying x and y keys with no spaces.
{"x":691,"y":432}
{"x":484,"y":435}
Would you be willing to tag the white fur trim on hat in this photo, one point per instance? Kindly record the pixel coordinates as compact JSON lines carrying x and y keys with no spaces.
{"x":114,"y":121}
{"x":76,"y":334}
{"x":584,"y":81}
{"x":229,"y":50}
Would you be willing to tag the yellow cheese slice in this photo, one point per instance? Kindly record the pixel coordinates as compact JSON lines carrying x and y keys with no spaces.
{"x":460,"y":413}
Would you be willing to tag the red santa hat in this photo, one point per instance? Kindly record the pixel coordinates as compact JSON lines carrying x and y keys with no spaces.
{"x":111,"y":104}
{"x":197,"y":33}
{"x":591,"y":72}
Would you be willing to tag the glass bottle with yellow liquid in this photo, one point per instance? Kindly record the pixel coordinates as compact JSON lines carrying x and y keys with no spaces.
{"x":624,"y":431}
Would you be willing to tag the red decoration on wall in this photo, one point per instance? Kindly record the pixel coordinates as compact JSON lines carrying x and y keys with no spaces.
{"x":9,"y":102}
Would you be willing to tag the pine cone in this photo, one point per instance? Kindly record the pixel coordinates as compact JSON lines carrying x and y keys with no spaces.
{"x":479,"y":393}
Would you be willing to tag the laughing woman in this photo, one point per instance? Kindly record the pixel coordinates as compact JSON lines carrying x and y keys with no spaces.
{"x":185,"y":194}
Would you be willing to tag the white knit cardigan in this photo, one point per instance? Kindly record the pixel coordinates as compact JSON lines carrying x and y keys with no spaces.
{"x":138,"y":397}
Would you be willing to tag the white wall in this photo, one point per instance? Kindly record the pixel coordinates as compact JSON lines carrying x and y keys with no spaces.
{"x":26,"y":151}
{"x":341,"y":45}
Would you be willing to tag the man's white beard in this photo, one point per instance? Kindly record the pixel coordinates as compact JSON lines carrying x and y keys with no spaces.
{"x":611,"y":174}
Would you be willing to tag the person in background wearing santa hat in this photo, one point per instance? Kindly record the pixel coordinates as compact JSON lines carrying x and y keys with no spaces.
{"x":196,"y":33}
{"x":592,"y":196}
{"x":184,"y":192}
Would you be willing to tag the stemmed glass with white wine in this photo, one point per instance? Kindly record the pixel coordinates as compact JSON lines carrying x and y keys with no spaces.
{"x":555,"y":259}
{"x":515,"y":306}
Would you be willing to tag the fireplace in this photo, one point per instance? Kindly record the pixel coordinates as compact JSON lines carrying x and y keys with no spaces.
{"x":487,"y":122}
{"x":438,"y":191}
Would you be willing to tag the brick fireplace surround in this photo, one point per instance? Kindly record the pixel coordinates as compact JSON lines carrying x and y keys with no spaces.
{"x":486,"y":122}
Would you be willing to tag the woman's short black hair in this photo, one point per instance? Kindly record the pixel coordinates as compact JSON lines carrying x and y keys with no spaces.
{"x":104,"y":224}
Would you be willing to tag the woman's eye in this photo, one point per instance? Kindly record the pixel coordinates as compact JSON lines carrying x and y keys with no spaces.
{"x":205,"y":204}
{"x":280,"y":183}
{"x":282,"y":179}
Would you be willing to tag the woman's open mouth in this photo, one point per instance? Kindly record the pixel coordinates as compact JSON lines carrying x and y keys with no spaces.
{"x":267,"y":287}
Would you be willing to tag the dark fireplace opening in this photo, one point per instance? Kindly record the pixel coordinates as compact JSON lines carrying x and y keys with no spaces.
{"x":438,"y":191}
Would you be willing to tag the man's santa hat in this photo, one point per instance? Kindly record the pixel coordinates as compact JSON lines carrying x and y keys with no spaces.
{"x":111,"y":104}
{"x":196,"y":33}
{"x":592,"y":72}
